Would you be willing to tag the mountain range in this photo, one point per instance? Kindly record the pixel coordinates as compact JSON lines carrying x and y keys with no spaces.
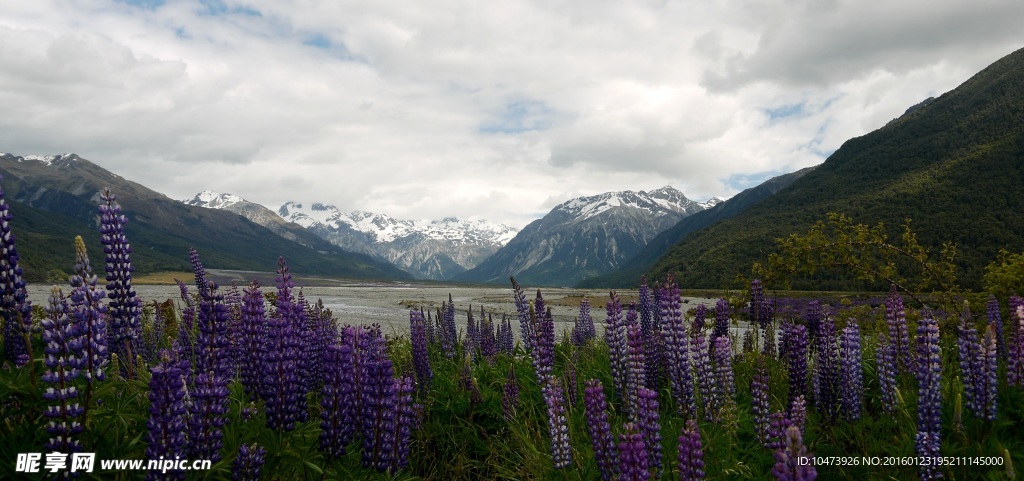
{"x":586,"y":236}
{"x":953,"y":165}
{"x":54,"y":198}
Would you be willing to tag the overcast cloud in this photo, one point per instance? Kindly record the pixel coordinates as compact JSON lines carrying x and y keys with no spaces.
{"x":495,"y":110}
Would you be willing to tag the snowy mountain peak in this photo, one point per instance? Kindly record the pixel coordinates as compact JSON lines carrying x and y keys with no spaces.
{"x":213,"y":200}
{"x":51,"y":159}
{"x":712,"y":202}
{"x":664,"y":199}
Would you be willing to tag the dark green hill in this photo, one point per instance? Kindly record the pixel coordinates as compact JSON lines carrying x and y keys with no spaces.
{"x":954,"y":166}
{"x":54,"y":200}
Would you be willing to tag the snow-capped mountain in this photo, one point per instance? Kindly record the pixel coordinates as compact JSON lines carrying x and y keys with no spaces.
{"x":252,"y":211}
{"x":586,"y":236}
{"x":431,"y":249}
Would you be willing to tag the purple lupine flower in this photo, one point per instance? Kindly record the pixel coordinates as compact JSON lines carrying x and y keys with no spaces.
{"x":123,"y":312}
{"x":584,"y":329}
{"x":15,"y":307}
{"x":488,"y":341}
{"x":211,"y":323}
{"x":510,"y":395}
{"x":403,"y":423}
{"x":721,"y":318}
{"x":852,"y":371}
{"x":701,"y":357}
{"x":798,"y":413}
{"x":969,"y":350}
{"x":885,"y":360}
{"x":61,"y":369}
{"x":506,"y":341}
{"x":899,"y":334}
{"x":929,"y":398}
{"x":796,"y":357}
{"x":207,"y":416}
{"x":725,"y":387}
{"x":760,"y":407}
{"x":652,"y":336}
{"x":280,"y":385}
{"x":186,"y":329}
{"x":248,"y":463}
{"x":252,"y":337}
{"x":292,"y":311}
{"x":378,"y":402}
{"x":420,"y":354}
{"x":677,"y":348}
{"x":558,"y":425}
{"x":1015,"y":349}
{"x":87,"y":313}
{"x":632,"y":454}
{"x":691,"y":453}
{"x":544,"y":344}
{"x":986,"y":379}
{"x":323,"y":331}
{"x":995,"y":320}
{"x":471,"y":344}
{"x":165,"y":438}
{"x":826,"y":371}
{"x":523,"y":311}
{"x":615,"y":337}
{"x":571,"y":384}
{"x":778,"y":423}
{"x":787,"y":460}
{"x":649,"y":421}
{"x":813,"y":320}
{"x":636,"y":369}
{"x":600,"y":430}
{"x":449,"y":336}
{"x":338,"y":403}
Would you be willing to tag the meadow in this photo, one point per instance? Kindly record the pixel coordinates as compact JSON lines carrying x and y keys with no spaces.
{"x":268,"y":384}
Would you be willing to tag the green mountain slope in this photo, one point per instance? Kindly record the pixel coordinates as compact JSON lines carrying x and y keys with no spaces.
{"x":954,"y":166}
{"x":54,"y":200}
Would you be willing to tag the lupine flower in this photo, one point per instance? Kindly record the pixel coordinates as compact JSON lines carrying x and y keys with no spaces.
{"x":87,"y":314}
{"x":584,"y":329}
{"x":166,"y":426}
{"x":61,"y":369}
{"x":472,"y":343}
{"x":323,"y":331}
{"x":721,"y":319}
{"x":778,"y":423}
{"x":420,"y":355}
{"x":798,"y":413}
{"x":986,"y":379}
{"x":649,"y":422}
{"x":691,"y":453}
{"x":636,"y":370}
{"x":510,"y":395}
{"x":813,"y":321}
{"x":558,"y":425}
{"x":969,"y":354}
{"x":506,"y":342}
{"x":378,"y":403}
{"x":248,"y":463}
{"x":725,"y":387}
{"x":544,"y":344}
{"x":338,"y":403}
{"x":928,"y":374}
{"x":615,"y":337}
{"x":252,"y":339}
{"x":123,"y":313}
{"x":760,"y":407}
{"x":885,"y":359}
{"x":652,"y":336}
{"x":701,"y":358}
{"x":403,"y":423}
{"x":449,"y":336}
{"x":488,"y":340}
{"x":748,"y":340}
{"x":15,"y":307}
{"x":826,"y":371}
{"x":280,"y":385}
{"x":212,"y":322}
{"x":523,"y":311}
{"x":632,"y":454}
{"x":600,"y":430}
{"x":677,"y":348}
{"x":787,"y":460}
{"x":852,"y":372}
{"x":569,"y":378}
{"x":1015,"y":364}
{"x":899,"y":334}
{"x":995,"y":320}
{"x":796,"y":357}
{"x":207,"y":416}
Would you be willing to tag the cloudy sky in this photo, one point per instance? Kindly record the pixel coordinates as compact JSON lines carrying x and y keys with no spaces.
{"x":496,"y":110}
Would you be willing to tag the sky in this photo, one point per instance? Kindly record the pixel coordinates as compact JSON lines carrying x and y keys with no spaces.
{"x":480,"y":110}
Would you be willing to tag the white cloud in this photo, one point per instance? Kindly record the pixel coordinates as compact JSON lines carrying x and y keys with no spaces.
{"x":497,"y":111}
